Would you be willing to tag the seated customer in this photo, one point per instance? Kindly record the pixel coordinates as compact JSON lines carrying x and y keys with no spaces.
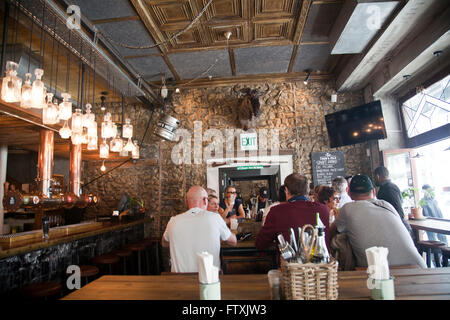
{"x":231,"y":207}
{"x":195,"y":231}
{"x":213,"y":204}
{"x":369,"y":222}
{"x":329,"y":197}
{"x":296,"y":212}
{"x":341,"y":186}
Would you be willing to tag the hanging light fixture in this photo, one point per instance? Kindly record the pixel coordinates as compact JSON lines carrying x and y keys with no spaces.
{"x":65,"y":131}
{"x":135,"y":151}
{"x":77,"y":122}
{"x":50,"y":114}
{"x":88,"y":117}
{"x":104,"y":150}
{"x":92,"y":144}
{"x":129,"y":146}
{"x":11,"y":84}
{"x":116,"y":144}
{"x":107,"y":127}
{"x":26,"y":100}
{"x":127,"y":129}
{"x":308,"y":76}
{"x":38,"y":90}
{"x":65,"y":107}
{"x":103,"y":168}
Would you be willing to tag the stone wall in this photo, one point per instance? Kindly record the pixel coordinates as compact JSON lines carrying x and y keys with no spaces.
{"x":296,"y":110}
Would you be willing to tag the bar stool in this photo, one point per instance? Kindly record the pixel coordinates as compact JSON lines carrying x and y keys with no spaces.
{"x":123,"y":254}
{"x":445,"y":256}
{"x":87,"y":271}
{"x":43,"y":290}
{"x":106,"y":260}
{"x":430,"y":246}
{"x":149,"y":243}
{"x":137,"y":248}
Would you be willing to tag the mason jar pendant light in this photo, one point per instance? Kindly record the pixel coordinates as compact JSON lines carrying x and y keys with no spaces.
{"x":38,"y":90}
{"x":50,"y":114}
{"x":26,"y":100}
{"x":11,"y":84}
{"x":88,"y":117}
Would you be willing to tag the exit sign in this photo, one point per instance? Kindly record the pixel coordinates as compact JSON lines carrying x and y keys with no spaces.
{"x":249,"y":141}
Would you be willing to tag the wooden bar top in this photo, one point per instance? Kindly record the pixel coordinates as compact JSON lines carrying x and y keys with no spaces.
{"x":33,"y":240}
{"x":410,"y":284}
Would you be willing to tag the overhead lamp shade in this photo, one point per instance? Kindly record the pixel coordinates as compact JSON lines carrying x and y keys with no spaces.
{"x":166,"y":127}
{"x":26,"y":100}
{"x":38,"y":90}
{"x":50,"y":114}
{"x":92,"y":130}
{"x":65,"y":131}
{"x":104,"y":150}
{"x":65,"y":107}
{"x":127,"y":129}
{"x":77,"y":121}
{"x":11,"y":84}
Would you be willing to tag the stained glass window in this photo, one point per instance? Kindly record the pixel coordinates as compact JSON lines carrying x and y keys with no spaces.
{"x":428,"y":109}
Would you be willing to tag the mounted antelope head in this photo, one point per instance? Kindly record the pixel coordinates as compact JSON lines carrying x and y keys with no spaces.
{"x":248,"y":109}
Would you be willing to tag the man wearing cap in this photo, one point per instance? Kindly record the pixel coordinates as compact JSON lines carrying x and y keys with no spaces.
{"x":370,"y":222}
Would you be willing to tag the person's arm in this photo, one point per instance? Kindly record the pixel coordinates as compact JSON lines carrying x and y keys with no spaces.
{"x":164,"y":243}
{"x":241,"y":212}
{"x":232,"y":240}
{"x":224,"y":212}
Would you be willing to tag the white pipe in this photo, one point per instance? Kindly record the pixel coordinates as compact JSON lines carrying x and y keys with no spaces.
{"x":3,"y":162}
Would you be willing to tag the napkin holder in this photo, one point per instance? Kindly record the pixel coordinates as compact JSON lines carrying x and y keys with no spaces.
{"x":383,"y":289}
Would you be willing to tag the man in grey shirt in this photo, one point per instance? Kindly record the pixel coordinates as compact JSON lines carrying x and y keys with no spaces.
{"x":370,"y":222}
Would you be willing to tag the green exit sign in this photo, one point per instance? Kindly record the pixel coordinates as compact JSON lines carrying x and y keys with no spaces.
{"x":249,"y":167}
{"x":249,"y":141}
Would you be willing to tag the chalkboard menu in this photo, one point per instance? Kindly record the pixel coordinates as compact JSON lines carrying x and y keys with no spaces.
{"x":327,"y":166}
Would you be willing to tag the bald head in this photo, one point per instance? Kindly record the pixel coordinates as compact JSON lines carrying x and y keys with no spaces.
{"x":197,"y":197}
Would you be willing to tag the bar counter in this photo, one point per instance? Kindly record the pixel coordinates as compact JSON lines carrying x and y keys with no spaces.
{"x":26,"y":258}
{"x":20,"y":243}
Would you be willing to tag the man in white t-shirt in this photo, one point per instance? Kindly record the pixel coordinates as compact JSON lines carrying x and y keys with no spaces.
{"x":195,"y":231}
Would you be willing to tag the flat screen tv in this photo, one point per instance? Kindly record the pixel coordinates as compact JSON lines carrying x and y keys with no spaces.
{"x":356,"y":125}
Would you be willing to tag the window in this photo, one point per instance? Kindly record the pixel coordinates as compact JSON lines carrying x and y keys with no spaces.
{"x":428,"y":109}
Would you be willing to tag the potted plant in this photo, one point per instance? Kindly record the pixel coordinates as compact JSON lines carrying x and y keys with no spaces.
{"x":138,"y":205}
{"x":415,"y":205}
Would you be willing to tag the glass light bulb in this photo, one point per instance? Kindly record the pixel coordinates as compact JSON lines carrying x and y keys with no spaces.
{"x":11,"y":84}
{"x":38,"y":90}
{"x":103,"y":168}
{"x":65,"y":107}
{"x":127,"y":129}
{"x":65,"y":131}
{"x":77,"y":121}
{"x":26,"y":100}
{"x":104,"y":150}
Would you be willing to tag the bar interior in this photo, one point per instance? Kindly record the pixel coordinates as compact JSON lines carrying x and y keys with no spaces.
{"x":225,"y":150}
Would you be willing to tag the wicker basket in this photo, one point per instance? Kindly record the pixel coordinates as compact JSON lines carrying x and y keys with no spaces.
{"x":309,"y":281}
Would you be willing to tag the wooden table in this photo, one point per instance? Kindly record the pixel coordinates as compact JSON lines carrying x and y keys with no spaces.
{"x":410,"y":284}
{"x":431,"y":224}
